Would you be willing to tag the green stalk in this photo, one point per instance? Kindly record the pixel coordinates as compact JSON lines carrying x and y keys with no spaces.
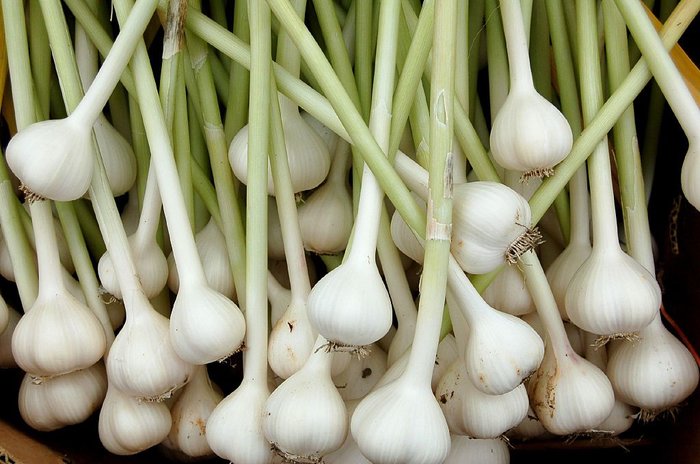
{"x":461,"y":85}
{"x":475,"y":28}
{"x":205,"y":192}
{"x":237,"y":105}
{"x":140,"y":145}
{"x":90,"y":229}
{"x":256,"y":199}
{"x":215,"y":138}
{"x":497,"y":58}
{"x":539,"y":50}
{"x":363,"y":55}
{"x":220,"y":75}
{"x":40,"y":58}
{"x":629,"y":166}
{"x":437,"y":244}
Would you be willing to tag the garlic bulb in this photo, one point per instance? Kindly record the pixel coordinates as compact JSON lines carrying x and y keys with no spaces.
{"x":508,"y":293}
{"x":43,"y":155}
{"x":404,"y":238}
{"x":611,"y":294}
{"x":350,"y":305}
{"x":471,"y":412}
{"x":151,"y":266}
{"x":211,"y":245}
{"x":6,"y":359}
{"x":58,"y":335}
{"x":568,"y":393}
{"x":655,"y":372}
{"x":530,"y":427}
{"x":117,"y":155}
{"x":307,"y":153}
{"x":326,"y":217}
{"x":128,"y":425}
{"x":329,"y":137}
{"x":291,"y":340}
{"x":141,"y":361}
{"x":62,"y":400}
{"x":234,"y":428}
{"x":573,"y":333}
{"x":690,"y":173}
{"x":205,"y":326}
{"x":563,"y":268}
{"x":4,"y":314}
{"x":279,"y":296}
{"x":116,"y":312}
{"x":491,"y":226}
{"x":466,"y":450}
{"x":401,"y":423}
{"x":349,"y":453}
{"x":447,"y":353}
{"x":305,"y":418}
{"x":190,"y":413}
{"x":362,"y":373}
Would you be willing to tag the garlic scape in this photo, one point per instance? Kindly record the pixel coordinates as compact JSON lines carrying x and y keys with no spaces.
{"x":128,"y":425}
{"x":63,"y":400}
{"x":44,"y":154}
{"x":466,"y":450}
{"x":529,"y":134}
{"x":305,"y":418}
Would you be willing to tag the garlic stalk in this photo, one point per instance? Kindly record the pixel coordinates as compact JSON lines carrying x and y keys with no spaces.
{"x":610,"y":294}
{"x":63,"y":400}
{"x":44,"y":154}
{"x":305,"y":418}
{"x":190,"y":413}
{"x":58,"y":334}
{"x":573,"y":333}
{"x":568,"y":393}
{"x":529,"y":133}
{"x":325,"y":217}
{"x":466,"y":450}
{"x":128,"y":426}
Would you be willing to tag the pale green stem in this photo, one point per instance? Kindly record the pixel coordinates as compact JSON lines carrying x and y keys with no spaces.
{"x":498,"y":64}
{"x":40,"y":58}
{"x":237,"y":105}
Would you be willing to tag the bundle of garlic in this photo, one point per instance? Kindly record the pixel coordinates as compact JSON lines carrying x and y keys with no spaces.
{"x":236,"y":259}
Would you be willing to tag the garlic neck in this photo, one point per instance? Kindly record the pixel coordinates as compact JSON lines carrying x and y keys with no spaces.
{"x":49,"y":261}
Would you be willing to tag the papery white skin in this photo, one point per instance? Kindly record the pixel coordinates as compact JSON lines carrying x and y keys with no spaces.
{"x":471,"y":412}
{"x":128,"y":426}
{"x":447,"y":353}
{"x":62,"y":400}
{"x":44,"y":154}
{"x":275,"y":244}
{"x":611,"y":294}
{"x":305,"y":416}
{"x":404,"y":238}
{"x":350,"y":305}
{"x":190,"y":413}
{"x":234,"y":428}
{"x":573,"y":333}
{"x":362,"y":373}
{"x":570,"y":394}
{"x":211,"y":246}
{"x":655,"y":372}
{"x":130,"y":214}
{"x":58,"y":335}
{"x":291,"y":340}
{"x":530,"y":427}
{"x":279,"y":297}
{"x":6,"y":359}
{"x":349,"y":453}
{"x":401,"y":423}
{"x":117,"y":155}
{"x":4,"y":314}
{"x":151,"y":266}
{"x":508,"y":293}
{"x":690,"y":174}
{"x":466,"y":450}
{"x":487,"y":219}
{"x":61,"y":244}
{"x":326,"y":219}
{"x":205,"y":326}
{"x":307,"y":153}
{"x":328,"y":136}
{"x":142,"y":362}
{"x":563,"y":268}
{"x":529,"y":133}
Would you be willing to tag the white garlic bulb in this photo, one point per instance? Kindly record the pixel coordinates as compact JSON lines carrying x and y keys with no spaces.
{"x":401,"y":423}
{"x":211,"y":245}
{"x":529,"y":134}
{"x":128,"y":425}
{"x":350,"y":305}
{"x":491,"y":225}
{"x":466,"y":450}
{"x":6,"y":359}
{"x":234,"y":428}
{"x":44,"y":154}
{"x":530,"y":427}
{"x":58,"y":335}
{"x":349,"y":453}
{"x":328,"y":136}
{"x":655,"y":372}
{"x":205,"y":326}
{"x":190,"y":413}
{"x":142,"y":362}
{"x":404,"y":238}
{"x":62,"y":400}
{"x":279,"y":297}
{"x":117,"y":155}
{"x":508,"y":293}
{"x":447,"y":353}
{"x":573,"y":333}
{"x":149,"y":260}
{"x":305,"y":418}
{"x":307,"y":153}
{"x":568,"y":393}
{"x":563,"y":268}
{"x":362,"y":373}
{"x":690,"y":174}
{"x":611,"y":294}
{"x":291,"y":340}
